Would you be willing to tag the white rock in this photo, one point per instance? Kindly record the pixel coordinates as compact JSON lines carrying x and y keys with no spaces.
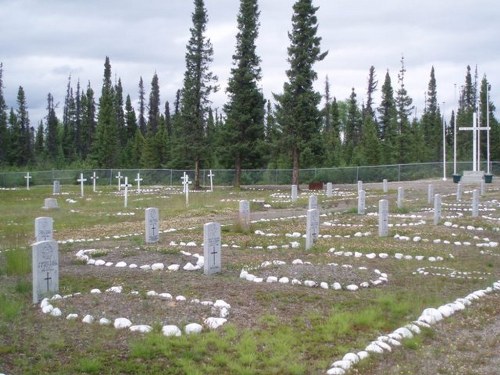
{"x":193,"y":328}
{"x":214,"y":323}
{"x":284,"y":280}
{"x":72,"y":316}
{"x":336,"y":371}
{"x":363,"y":355}
{"x":143,"y":328}
{"x":336,"y":286}
{"x":56,"y":312}
{"x":173,"y":267}
{"x":157,"y":266}
{"x":115,"y":289}
{"x":352,"y":287}
{"x":297,"y":261}
{"x":323,"y":285}
{"x":446,"y":311}
{"x":104,"y":321}
{"x":221,"y":304}
{"x":404,"y":332}
{"x":121,"y":265}
{"x":373,"y":348}
{"x":171,"y":330}
{"x":351,"y":357}
{"x":95,"y":291}
{"x":272,"y":279}
{"x":383,"y":345}
{"x":344,"y":365}
{"x":122,"y":323}
{"x":46,"y":309}
{"x":189,"y":267}
{"x":310,"y":283}
{"x":180,"y":298}
{"x":88,"y":319}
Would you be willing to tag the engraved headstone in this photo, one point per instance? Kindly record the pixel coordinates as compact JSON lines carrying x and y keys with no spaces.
{"x":361,"y":202}
{"x":152,"y":225}
{"x":360,"y":186}
{"x":43,"y":228}
{"x":329,"y":190}
{"x":294,"y":193}
{"x":244,"y":214}
{"x":312,"y":227}
{"x":385,"y":186}
{"x":475,"y":203}
{"x":45,"y":257}
{"x":56,"y":187}
{"x":212,"y":248}
{"x":430,"y":193}
{"x":313,"y":202}
{"x":401,"y":197}
{"x":437,"y":209}
{"x":50,"y":204}
{"x":383,"y":218}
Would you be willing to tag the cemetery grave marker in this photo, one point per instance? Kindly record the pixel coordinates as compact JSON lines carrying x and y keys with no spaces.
{"x":50,"y":203}
{"x":27,"y":177}
{"x":212,"y":248}
{"x":56,"y":187}
{"x":475,"y":203}
{"x":244,"y":214}
{"x":437,"y":209}
{"x":329,"y":190}
{"x":312,"y":227}
{"x":385,"y":185}
{"x":294,"y":193}
{"x":211,"y":176}
{"x":313,"y":202}
{"x":125,"y":195}
{"x":138,"y":180}
{"x":401,"y":196}
{"x":43,"y":228}
{"x":459,"y":192}
{"x":360,"y":186}
{"x":185,"y":183}
{"x":152,"y":225}
{"x":81,"y":180}
{"x":93,"y":178}
{"x":119,"y":178}
{"x":45,"y":269}
{"x":361,"y":202}
{"x":383,"y":218}
{"x":430,"y":193}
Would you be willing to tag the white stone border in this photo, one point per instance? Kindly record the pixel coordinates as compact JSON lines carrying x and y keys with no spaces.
{"x":399,"y":256}
{"x":429,"y":317}
{"x":246,"y":275}
{"x":451,"y":273}
{"x":220,"y":307}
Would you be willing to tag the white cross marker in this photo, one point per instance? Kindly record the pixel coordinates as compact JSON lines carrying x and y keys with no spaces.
{"x":27,"y":177}
{"x":125,"y":185}
{"x":119,"y":177}
{"x":138,"y":180}
{"x":81,"y":180}
{"x":186,"y":182}
{"x":94,"y":178}
{"x":476,"y":144}
{"x":211,"y":175}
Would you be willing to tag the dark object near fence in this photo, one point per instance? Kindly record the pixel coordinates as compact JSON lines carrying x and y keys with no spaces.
{"x":316,"y":186}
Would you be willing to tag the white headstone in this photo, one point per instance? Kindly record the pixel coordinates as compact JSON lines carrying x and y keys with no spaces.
{"x":437,"y":209}
{"x":45,"y":269}
{"x":43,"y":228}
{"x":94,"y":180}
{"x":152,"y":225}
{"x":56,"y":187}
{"x":475,"y":203}
{"x":361,"y":202}
{"x":385,"y":186}
{"x":125,"y":194}
{"x":312,"y":227}
{"x":119,"y":178}
{"x":329,"y":190}
{"x":401,"y":197}
{"x":360,"y":186}
{"x":430,"y":193}
{"x":313,"y":202}
{"x":383,"y":218}
{"x":294,"y":193}
{"x":138,"y":180}
{"x":211,"y":176}
{"x":483,"y":187}
{"x":50,"y":203}
{"x":459,"y":192}
{"x":244,"y":214}
{"x":27,"y":177}
{"x":81,"y":180}
{"x":212,"y":248}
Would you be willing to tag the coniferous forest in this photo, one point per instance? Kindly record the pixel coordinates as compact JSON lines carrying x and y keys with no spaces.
{"x":297,"y":128}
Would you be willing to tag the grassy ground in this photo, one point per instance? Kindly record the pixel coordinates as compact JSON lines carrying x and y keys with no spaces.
{"x":272,"y":328}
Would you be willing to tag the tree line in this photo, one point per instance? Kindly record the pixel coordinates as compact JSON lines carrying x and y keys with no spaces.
{"x":298,"y":128}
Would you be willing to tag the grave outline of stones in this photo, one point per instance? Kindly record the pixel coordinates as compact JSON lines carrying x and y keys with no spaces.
{"x":383,"y":218}
{"x":45,"y":267}
{"x":361,"y":202}
{"x":44,"y":226}
{"x":119,"y":177}
{"x":312,"y":227}
{"x":27,"y":177}
{"x":152,"y":217}
{"x":125,"y":192}
{"x":94,"y":179}
{"x":212,"y":246}
{"x":81,"y":180}
{"x":138,"y":179}
{"x":211,"y":176}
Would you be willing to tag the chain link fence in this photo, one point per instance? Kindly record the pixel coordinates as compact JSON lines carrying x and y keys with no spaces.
{"x":225,"y":177}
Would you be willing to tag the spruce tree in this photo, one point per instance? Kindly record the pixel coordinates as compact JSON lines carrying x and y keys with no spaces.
{"x":404,"y":109}
{"x":244,"y":130}
{"x":353,"y":131}
{"x":24,"y":152}
{"x":88,"y":123}
{"x":120,"y":116}
{"x":199,"y":83}
{"x":4,"y":133}
{"x":69,"y":124}
{"x":297,"y":110}
{"x":154,"y":106}
{"x":142,"y":107}
{"x":52,"y":144}
{"x":432,"y":123}
{"x":372,"y":88}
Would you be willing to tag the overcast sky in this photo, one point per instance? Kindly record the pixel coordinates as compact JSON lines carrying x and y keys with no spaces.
{"x":43,"y":42}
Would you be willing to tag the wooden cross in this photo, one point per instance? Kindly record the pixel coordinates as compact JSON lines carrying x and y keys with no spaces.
{"x":138,"y":180}
{"x":27,"y":177}
{"x":94,"y":178}
{"x":126,"y":185}
{"x":81,"y":180}
{"x":119,"y":177}
{"x":211,"y":176}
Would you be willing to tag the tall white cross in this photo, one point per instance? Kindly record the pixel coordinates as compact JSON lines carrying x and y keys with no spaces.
{"x":138,"y":180}
{"x":81,"y":180}
{"x":125,"y":185}
{"x":186,"y":182}
{"x":211,"y":176}
{"x":27,"y":177}
{"x":476,"y":142}
{"x":119,"y":177}
{"x":94,"y":178}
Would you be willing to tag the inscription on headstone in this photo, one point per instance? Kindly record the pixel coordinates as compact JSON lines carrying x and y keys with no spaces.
{"x":244,"y":214}
{"x":437,"y":209}
{"x":152,"y":225}
{"x":383,"y":218}
{"x":212,"y":248}
{"x":312,"y":227}
{"x":313,"y":202}
{"x":56,"y":187}
{"x":294,"y":193}
{"x":361,"y":202}
{"x":45,"y":269}
{"x":475,"y":203}
{"x":329,"y":190}
{"x":430,"y":193}
{"x":43,"y":228}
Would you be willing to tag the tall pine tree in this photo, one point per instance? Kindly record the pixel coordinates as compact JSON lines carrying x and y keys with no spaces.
{"x":4,"y":135}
